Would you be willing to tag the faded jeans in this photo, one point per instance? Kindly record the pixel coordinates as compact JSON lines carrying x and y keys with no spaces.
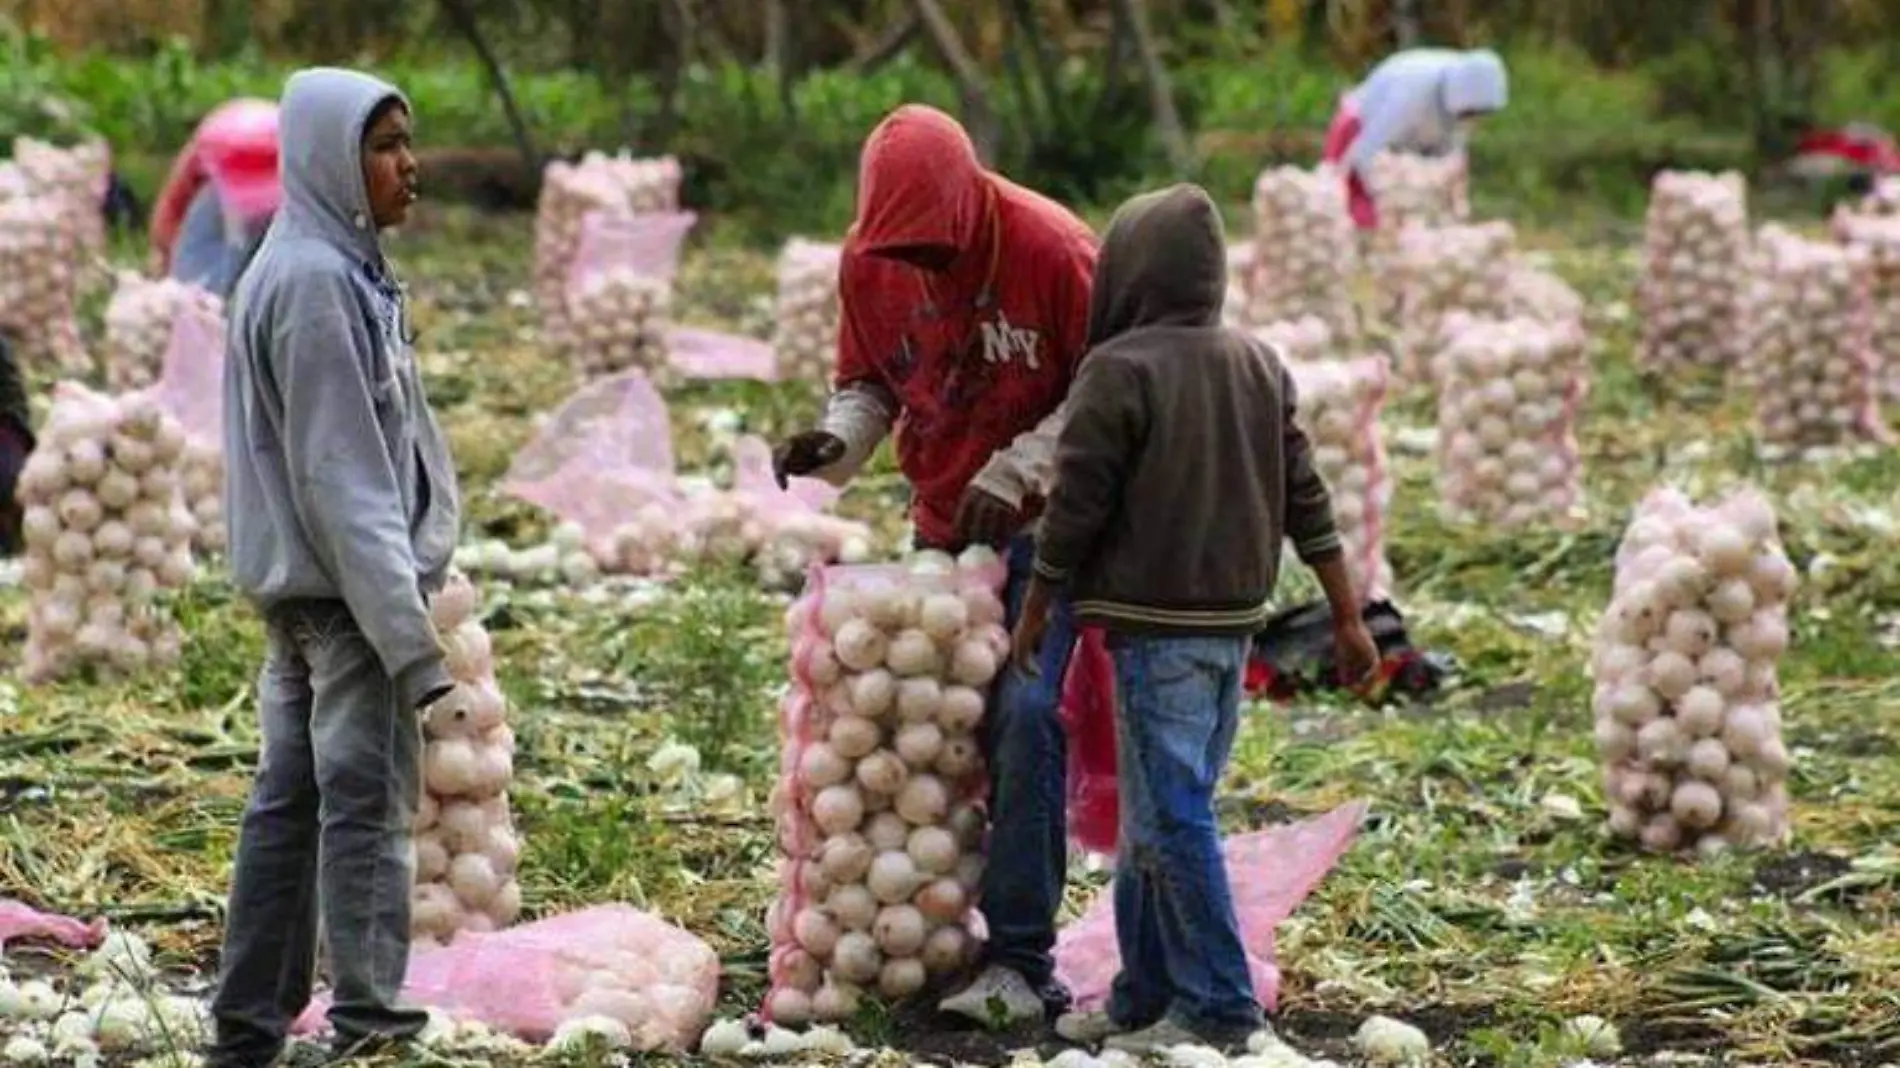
{"x":1179,"y":706}
{"x":325,"y":843}
{"x":1028,"y":764}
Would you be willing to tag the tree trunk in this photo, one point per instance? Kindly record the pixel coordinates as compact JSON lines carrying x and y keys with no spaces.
{"x":1405,"y":23}
{"x":462,"y":17}
{"x":889,"y":45}
{"x":1045,"y":63}
{"x":1160,"y":91}
{"x":778,"y":54}
{"x":977,"y":113}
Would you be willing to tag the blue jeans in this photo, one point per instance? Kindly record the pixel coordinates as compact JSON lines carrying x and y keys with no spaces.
{"x":1179,"y":705}
{"x":1028,"y":768}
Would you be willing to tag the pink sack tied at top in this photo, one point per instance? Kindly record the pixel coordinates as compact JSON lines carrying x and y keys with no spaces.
{"x":191,"y":381}
{"x":19,"y":922}
{"x":525,"y":981}
{"x":1271,"y":872}
{"x":698,"y":353}
{"x":605,"y":454}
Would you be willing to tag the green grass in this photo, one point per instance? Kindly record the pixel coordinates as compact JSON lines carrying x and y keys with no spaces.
{"x":1473,"y":903}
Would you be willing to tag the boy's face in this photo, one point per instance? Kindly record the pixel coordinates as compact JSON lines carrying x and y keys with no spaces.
{"x":389,"y":168}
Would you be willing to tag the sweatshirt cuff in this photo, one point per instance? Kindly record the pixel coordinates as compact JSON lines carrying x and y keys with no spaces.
{"x":996,"y":479}
{"x":421,"y":683}
{"x":1320,"y":550}
{"x":1050,"y":573}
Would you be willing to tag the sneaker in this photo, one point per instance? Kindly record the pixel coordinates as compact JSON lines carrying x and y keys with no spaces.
{"x":999,"y":998}
{"x":1087,"y":1028}
{"x":1168,"y":1034}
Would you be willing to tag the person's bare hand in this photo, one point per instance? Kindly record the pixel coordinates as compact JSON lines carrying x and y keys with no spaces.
{"x":1026,"y":642}
{"x":1356,"y":654}
{"x":801,"y":454}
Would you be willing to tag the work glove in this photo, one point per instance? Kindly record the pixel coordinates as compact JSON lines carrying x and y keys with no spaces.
{"x":801,"y":454}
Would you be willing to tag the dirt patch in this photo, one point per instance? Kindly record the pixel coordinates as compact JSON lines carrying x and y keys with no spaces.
{"x":933,"y":1037}
{"x":1507,"y":698}
{"x":1794,"y":874}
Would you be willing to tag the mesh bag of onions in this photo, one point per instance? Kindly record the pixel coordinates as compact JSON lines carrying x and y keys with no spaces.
{"x":1302,"y":249}
{"x":106,"y":535}
{"x":1411,"y":190}
{"x":1695,"y":238}
{"x":620,"y":290}
{"x":572,"y":191}
{"x":1444,"y":270}
{"x":139,"y":325}
{"x":190,"y":386}
{"x":38,"y":283}
{"x":1535,"y":293}
{"x":880,"y":783}
{"x":1299,"y":340}
{"x":1233,"y":310}
{"x":1507,"y":413}
{"x":1879,"y":236}
{"x":465,"y":844}
{"x":1688,"y":719}
{"x":806,"y":332}
{"x":77,"y":177}
{"x":1339,"y":406}
{"x":1810,"y":358}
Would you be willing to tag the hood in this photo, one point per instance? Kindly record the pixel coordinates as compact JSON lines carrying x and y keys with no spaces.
{"x":920,"y":183}
{"x":1163,"y":263}
{"x":238,"y":146}
{"x":1476,"y":82}
{"x":320,"y":127}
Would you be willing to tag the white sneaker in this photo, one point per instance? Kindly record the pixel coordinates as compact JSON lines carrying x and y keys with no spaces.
{"x":999,"y":998}
{"x":1086,"y":1028}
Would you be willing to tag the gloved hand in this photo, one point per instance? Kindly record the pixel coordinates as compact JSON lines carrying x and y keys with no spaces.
{"x":804,"y":453}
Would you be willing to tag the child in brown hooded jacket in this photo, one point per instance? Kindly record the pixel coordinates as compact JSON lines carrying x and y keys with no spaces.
{"x":1179,"y":472}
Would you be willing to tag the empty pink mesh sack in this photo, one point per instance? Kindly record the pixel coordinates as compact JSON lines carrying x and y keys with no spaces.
{"x":1088,"y":715}
{"x":1272,"y":871}
{"x":610,"y":960}
{"x":602,"y":456}
{"x":19,"y":921}
{"x":191,"y":380}
{"x":696,"y":353}
{"x":647,"y":243}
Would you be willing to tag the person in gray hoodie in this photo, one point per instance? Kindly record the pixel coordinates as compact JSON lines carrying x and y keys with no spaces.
{"x":342,"y":505}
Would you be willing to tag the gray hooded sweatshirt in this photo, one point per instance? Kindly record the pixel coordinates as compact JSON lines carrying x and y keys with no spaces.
{"x":338,"y":482}
{"x":1411,"y":102}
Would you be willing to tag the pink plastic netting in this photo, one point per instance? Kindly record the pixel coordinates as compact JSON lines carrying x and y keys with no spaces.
{"x":19,"y":922}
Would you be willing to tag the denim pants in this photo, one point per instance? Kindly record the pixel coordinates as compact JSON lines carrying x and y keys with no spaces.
{"x":1178,"y":708}
{"x":325,"y":844}
{"x":1028,"y":766}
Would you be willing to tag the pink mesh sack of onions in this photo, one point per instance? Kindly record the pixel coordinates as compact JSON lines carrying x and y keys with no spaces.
{"x":78,"y":177}
{"x":1510,"y":391}
{"x":1686,"y":674}
{"x":603,"y":461}
{"x":1270,"y":871}
{"x":1879,"y":235}
{"x":696,"y":353}
{"x":1340,"y":403}
{"x":620,"y":288}
{"x":657,"y":980}
{"x":190,"y":386}
{"x":879,"y":800}
{"x":39,"y":284}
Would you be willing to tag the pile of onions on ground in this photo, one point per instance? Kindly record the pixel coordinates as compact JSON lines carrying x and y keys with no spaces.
{"x":1810,"y":354}
{"x":726,"y":527}
{"x":39,"y":283}
{"x":1507,"y":411}
{"x":465,"y":845}
{"x":1695,"y":249}
{"x":1411,"y":190}
{"x":1302,"y":249}
{"x":805,"y":334}
{"x":1688,"y":719}
{"x":106,"y":535}
{"x":1445,"y":270}
{"x":139,"y":321}
{"x":1298,"y":340}
{"x":569,"y":191}
{"x":1340,"y":402}
{"x":879,"y":826}
{"x":1879,"y":235}
{"x":617,"y":320}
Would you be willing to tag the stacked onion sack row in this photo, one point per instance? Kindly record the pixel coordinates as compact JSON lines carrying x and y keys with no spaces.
{"x":1507,"y":412}
{"x":1879,"y":236}
{"x":617,"y":320}
{"x":1340,"y":402}
{"x":569,"y":192}
{"x":1411,"y":190}
{"x":1695,"y":245}
{"x":879,"y":825}
{"x":39,"y":282}
{"x":77,"y":177}
{"x":806,"y":335}
{"x":106,"y":535}
{"x":1535,"y":293}
{"x":1688,"y":720}
{"x":465,"y":845}
{"x":1302,"y":249}
{"x":1444,"y":271}
{"x":1810,"y":355}
{"x":139,"y":320}
{"x":1299,"y":339}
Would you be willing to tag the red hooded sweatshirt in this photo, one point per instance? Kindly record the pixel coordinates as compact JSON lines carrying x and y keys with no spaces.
{"x":981,"y":353}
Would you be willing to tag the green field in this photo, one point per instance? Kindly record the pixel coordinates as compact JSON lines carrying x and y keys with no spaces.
{"x":1482,"y":900}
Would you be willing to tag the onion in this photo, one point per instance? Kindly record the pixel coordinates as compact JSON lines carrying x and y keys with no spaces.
{"x":943,"y":616}
{"x":837,"y":809}
{"x":923,"y":800}
{"x":1696,"y":804}
{"x":1699,"y":712}
{"x":960,"y":758}
{"x":973,"y":664}
{"x":853,"y":906}
{"x":835,"y":1002}
{"x":790,"y":1007}
{"x":449,"y":767}
{"x":1662,"y":834}
{"x":856,"y":960}
{"x":472,"y":876}
{"x":913,"y":654}
{"x":432,"y":860}
{"x":961,"y":710}
{"x":919,"y":700}
{"x":946,"y":950}
{"x":919,"y":744}
{"x":901,"y":978}
{"x":882,"y":772}
{"x":859,"y":646}
{"x":873,"y":693}
{"x":893,"y":878}
{"x":887,"y":831}
{"x":815,"y":932}
{"x":846,"y":858}
{"x":943,"y":900}
{"x":854,"y":737}
{"x":933,"y":849}
{"x":899,"y":930}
